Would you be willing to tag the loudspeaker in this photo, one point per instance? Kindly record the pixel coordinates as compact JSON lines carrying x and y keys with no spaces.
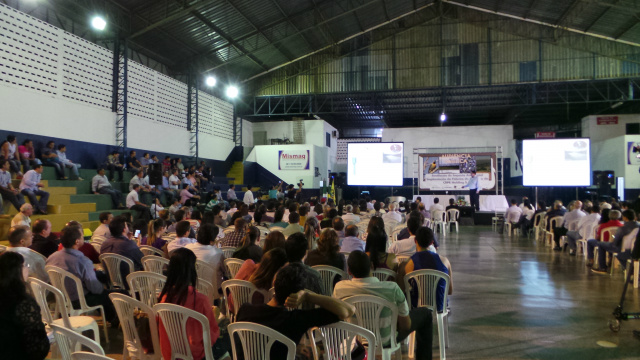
{"x":155,"y":174}
{"x":340,"y":178}
{"x":633,"y":128}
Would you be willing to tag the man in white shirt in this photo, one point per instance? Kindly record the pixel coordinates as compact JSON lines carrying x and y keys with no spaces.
{"x":248,"y":196}
{"x":513,"y":213}
{"x":349,"y":217}
{"x":100,"y":185}
{"x":30,"y":187}
{"x":208,"y":253}
{"x":370,"y":204}
{"x":392,"y":214}
{"x":569,"y":221}
{"x":133,"y":203}
{"x":406,"y":246}
{"x":174,"y":181}
{"x":585,"y":229}
{"x":183,"y":228}
{"x":23,"y":217}
{"x":62,"y":156}
{"x":102,"y":232}
{"x":20,"y":238}
{"x":231,"y":193}
{"x":436,"y":206}
{"x":474,"y":190}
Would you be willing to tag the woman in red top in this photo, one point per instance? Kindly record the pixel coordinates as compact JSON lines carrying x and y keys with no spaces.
{"x":180,"y":289}
{"x":608,"y":218}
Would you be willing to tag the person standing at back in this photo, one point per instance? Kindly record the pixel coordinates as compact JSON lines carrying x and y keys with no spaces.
{"x":474,"y":190}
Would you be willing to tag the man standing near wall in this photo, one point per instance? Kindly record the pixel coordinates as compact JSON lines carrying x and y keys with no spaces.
{"x":474,"y":191}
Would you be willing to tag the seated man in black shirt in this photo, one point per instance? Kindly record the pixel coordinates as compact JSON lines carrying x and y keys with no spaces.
{"x":290,"y":294}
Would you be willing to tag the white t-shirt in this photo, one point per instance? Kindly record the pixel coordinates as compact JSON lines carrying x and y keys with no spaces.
{"x":132,"y":198}
{"x":173,"y":179}
{"x":248,"y":197}
{"x":513,"y":214}
{"x":405,"y":246}
{"x":435,"y":207}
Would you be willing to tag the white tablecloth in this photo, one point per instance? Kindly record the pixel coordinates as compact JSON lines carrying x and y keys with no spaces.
{"x":487,"y":202}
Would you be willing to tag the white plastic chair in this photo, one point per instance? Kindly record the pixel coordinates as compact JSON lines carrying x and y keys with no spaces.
{"x":384,"y":274}
{"x":257,"y":340}
{"x":112,"y":263}
{"x":497,"y":219}
{"x":276,"y":228}
{"x":155,"y":264}
{"x":79,"y":324}
{"x":126,"y":307}
{"x":452,"y":217}
{"x":205,"y":271}
{"x":394,"y":235}
{"x":328,"y":274}
{"x":337,"y":339}
{"x":60,"y":278}
{"x":228,"y":251}
{"x":554,"y":222}
{"x":96,"y":242}
{"x":582,"y":243}
{"x":400,"y":258}
{"x":83,"y":355}
{"x":389,"y":226}
{"x":68,"y":340}
{"x":627,"y":245}
{"x":242,"y":292}
{"x":233,"y":266}
{"x":439,"y":219}
{"x":537,"y":222}
{"x":174,"y":318}
{"x":367,"y":315}
{"x":205,"y":287}
{"x":146,"y":286}
{"x":426,"y":283}
{"x":150,"y":250}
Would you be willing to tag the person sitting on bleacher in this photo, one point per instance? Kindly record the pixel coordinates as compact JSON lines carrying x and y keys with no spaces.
{"x":100,"y":185}
{"x":20,"y":238}
{"x":50,"y":158}
{"x":9,"y":152}
{"x":7,"y":191}
{"x":23,"y":218}
{"x":145,"y":161}
{"x":166,"y":190}
{"x":28,"y":155}
{"x":113,"y":164}
{"x":102,"y":231}
{"x":133,"y":164}
{"x":62,"y":156}
{"x":133,"y":203}
{"x":418,"y":319}
{"x":30,"y":187}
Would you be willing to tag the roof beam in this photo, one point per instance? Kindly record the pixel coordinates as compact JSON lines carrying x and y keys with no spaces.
{"x":610,"y":6}
{"x":559,"y":27}
{"x":528,"y":13}
{"x":626,"y":27}
{"x":275,"y":2}
{"x":173,"y":16}
{"x":566,"y":13}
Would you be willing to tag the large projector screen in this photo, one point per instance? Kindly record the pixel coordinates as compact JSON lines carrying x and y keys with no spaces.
{"x":375,"y":164}
{"x":556,"y":162}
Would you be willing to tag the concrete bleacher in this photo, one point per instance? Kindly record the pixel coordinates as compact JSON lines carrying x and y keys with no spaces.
{"x":69,"y":200}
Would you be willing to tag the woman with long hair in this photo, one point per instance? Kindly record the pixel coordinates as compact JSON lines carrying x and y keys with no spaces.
{"x":155,"y":231}
{"x":376,"y":248}
{"x":275,"y":239}
{"x":248,"y":248}
{"x":180,"y":289}
{"x":262,"y":275}
{"x":328,"y":251}
{"x":22,"y":334}
{"x":311,"y":230}
{"x":277,"y":218}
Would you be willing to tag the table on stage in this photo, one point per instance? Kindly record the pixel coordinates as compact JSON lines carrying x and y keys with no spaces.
{"x":487,"y":202}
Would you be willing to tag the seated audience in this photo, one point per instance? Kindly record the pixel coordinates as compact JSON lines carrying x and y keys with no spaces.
{"x":294,"y":225}
{"x":338,"y":226}
{"x":377,"y":209}
{"x":376,"y":248}
{"x":312,"y":231}
{"x":527,"y":216}
{"x":558,"y":210}
{"x":22,"y":334}
{"x":100,"y":185}
{"x":277,"y":219}
{"x":44,"y":242}
{"x":133,"y":164}
{"x":248,"y":248}
{"x":349,"y":217}
{"x":296,"y":247}
{"x":31,"y":185}
{"x":183,"y":229}
{"x":585,"y":224}
{"x":262,"y":274}
{"x":206,"y":251}
{"x":50,"y":158}
{"x":9,"y":152}
{"x":20,"y":240}
{"x":187,"y":198}
{"x":452,"y":205}
{"x":406,"y":246}
{"x":133,"y":203}
{"x":62,"y":156}
{"x":166,"y":192}
{"x":145,"y":161}
{"x":7,"y":191}
{"x":282,"y":314}
{"x":74,"y":261}
{"x":234,"y":239}
{"x":113,"y":164}
{"x":327,"y":252}
{"x":513,"y":213}
{"x":28,"y":155}
{"x":327,"y":221}
{"x":351,"y":241}
{"x":418,"y":319}
{"x":102,"y":231}
{"x":615,"y":246}
{"x":392,"y":214}
{"x":570,"y":220}
{"x":180,"y":289}
{"x":155,"y":230}
{"x":120,"y":244}
{"x":436,"y":206}
{"x":23,"y":217}
{"x":248,"y":196}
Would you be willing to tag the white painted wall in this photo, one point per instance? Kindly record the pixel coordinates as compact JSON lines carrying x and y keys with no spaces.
{"x":447,"y":137}
{"x":591,"y":129}
{"x":40,"y":114}
{"x":267,"y":157}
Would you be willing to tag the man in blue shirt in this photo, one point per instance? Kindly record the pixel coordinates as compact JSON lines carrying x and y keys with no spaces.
{"x":30,"y":187}
{"x":119,"y":244}
{"x":474,"y":190}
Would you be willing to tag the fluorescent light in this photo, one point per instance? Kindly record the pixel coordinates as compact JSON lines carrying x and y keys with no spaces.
{"x":232,"y":91}
{"x":211,"y":81}
{"x":443,"y":117}
{"x":98,"y":23}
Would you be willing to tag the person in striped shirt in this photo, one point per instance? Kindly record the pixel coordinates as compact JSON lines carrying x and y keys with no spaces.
{"x":417,"y":319}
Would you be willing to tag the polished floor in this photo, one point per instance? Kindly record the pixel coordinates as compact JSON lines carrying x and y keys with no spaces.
{"x":515,"y":299}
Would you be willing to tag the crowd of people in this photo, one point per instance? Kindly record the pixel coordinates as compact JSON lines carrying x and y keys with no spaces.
{"x":350,"y":236}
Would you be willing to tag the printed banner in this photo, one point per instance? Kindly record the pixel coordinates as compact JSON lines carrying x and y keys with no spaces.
{"x":293,"y":160}
{"x":453,"y":171}
{"x":633,"y":153}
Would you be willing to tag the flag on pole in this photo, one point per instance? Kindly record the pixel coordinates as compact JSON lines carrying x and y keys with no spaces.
{"x":332,"y":193}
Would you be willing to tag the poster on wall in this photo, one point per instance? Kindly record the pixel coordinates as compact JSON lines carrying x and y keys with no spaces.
{"x":453,"y":171}
{"x":293,"y":159}
{"x":633,"y":153}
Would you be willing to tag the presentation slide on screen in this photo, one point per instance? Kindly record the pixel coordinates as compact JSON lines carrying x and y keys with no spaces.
{"x":556,"y":162}
{"x":453,"y":171}
{"x":375,"y":164}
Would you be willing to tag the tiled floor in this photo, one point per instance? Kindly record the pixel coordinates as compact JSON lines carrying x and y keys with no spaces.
{"x":514,"y":299}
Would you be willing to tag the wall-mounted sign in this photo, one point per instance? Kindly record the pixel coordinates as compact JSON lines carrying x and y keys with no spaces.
{"x":293,"y":159}
{"x":545,"y":134}
{"x":607,"y":120}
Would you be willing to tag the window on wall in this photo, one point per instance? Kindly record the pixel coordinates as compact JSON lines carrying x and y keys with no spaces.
{"x":328,"y":137}
{"x":528,"y":71}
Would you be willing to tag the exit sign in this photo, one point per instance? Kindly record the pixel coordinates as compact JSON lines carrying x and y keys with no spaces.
{"x":545,"y":134}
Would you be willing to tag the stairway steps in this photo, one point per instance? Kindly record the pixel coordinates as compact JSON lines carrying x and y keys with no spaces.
{"x":71,"y":208}
{"x":16,"y":183}
{"x":61,"y":190}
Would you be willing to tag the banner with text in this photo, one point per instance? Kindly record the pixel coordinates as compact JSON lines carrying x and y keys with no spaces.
{"x":453,"y":171}
{"x":293,"y":159}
